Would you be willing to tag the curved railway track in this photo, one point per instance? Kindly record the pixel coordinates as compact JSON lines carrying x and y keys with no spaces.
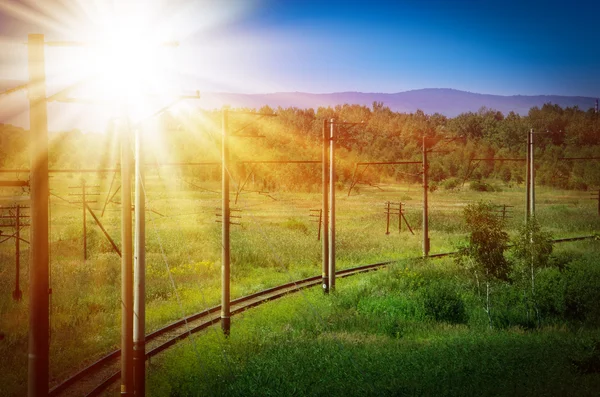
{"x":97,"y":377}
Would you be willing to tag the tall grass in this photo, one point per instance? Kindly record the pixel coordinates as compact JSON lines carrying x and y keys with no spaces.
{"x":276,"y":243}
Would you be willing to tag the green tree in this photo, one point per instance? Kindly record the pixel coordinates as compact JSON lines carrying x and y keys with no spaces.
{"x":483,"y":254}
{"x":533,"y":247}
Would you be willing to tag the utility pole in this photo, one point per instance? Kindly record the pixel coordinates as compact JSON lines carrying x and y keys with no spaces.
{"x":528,"y":178}
{"x":38,"y":360}
{"x":318,"y":214}
{"x":126,"y":265}
{"x":139,"y":275}
{"x":387,"y":212}
{"x":84,"y":201}
{"x":225,"y":253}
{"x":17,"y":293}
{"x":326,"y":144}
{"x":531,"y":175}
{"x":425,"y":202}
{"x":332,"y":205}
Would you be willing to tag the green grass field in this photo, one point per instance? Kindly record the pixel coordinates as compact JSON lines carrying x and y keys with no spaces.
{"x":277,"y":243}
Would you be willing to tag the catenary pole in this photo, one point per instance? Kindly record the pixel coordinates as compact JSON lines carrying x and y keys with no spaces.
{"x":38,"y":360}
{"x":17,"y":293}
{"x":532,"y":174}
{"x":332,"y":205}
{"x":225,"y":253}
{"x":83,"y":200}
{"x":325,"y":211}
{"x":528,"y":179}
{"x":126,"y":265}
{"x":139,"y":275}
{"x":425,"y":201}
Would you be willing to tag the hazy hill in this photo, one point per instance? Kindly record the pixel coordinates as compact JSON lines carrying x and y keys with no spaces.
{"x":446,"y":101}
{"x":450,"y":102}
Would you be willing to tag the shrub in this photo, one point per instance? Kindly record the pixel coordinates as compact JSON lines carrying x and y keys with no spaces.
{"x":582,"y":291}
{"x":480,"y":186}
{"x":576,"y":183}
{"x":442,"y":303}
{"x":550,"y":292}
{"x":450,"y":183}
{"x":294,"y":224}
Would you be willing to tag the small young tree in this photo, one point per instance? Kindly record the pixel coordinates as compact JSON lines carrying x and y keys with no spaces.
{"x":484,"y":252}
{"x":533,"y":247}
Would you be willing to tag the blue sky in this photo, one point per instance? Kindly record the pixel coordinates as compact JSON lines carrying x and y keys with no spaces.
{"x":508,"y":47}
{"x":494,"y":47}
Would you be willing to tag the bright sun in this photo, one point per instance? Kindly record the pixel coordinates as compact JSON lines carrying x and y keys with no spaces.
{"x":123,"y":65}
{"x":126,"y":66}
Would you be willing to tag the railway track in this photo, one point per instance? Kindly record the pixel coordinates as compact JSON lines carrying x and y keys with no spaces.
{"x":97,"y":377}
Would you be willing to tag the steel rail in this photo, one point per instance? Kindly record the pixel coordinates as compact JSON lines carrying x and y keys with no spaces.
{"x":163,"y":338}
{"x":183,"y":328}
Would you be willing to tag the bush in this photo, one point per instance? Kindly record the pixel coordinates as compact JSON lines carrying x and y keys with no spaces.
{"x":577,"y":183}
{"x":450,"y":183}
{"x":296,"y":225}
{"x":443,"y":303}
{"x":582,"y":291}
{"x":480,"y":186}
{"x":550,"y":292}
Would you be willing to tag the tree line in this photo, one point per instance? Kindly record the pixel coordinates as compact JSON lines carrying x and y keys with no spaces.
{"x":376,"y":134}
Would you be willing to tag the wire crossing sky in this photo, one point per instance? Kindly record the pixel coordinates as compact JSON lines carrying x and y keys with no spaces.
{"x":494,"y":47}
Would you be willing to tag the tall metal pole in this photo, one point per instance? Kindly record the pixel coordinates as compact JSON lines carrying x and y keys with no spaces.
{"x":528,"y":179}
{"x":139,"y":273}
{"x":425,"y":201}
{"x":38,"y":360}
{"x":126,"y":266}
{"x":332,"y":206}
{"x":17,"y":293}
{"x":83,"y":200}
{"x":532,"y":175}
{"x":225,"y":253}
{"x":325,"y":210}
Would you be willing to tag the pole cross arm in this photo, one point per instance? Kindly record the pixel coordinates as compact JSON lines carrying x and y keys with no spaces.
{"x":14,"y":183}
{"x":68,"y":43}
{"x":14,"y":89}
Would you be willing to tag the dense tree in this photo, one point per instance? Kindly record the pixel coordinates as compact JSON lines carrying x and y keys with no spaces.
{"x":378,"y":135}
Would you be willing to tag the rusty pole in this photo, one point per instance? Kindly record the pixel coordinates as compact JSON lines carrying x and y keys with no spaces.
{"x":387,"y":227}
{"x":399,"y":217}
{"x":38,"y":360}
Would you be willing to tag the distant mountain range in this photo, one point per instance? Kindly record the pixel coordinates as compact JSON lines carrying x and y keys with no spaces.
{"x":446,"y":101}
